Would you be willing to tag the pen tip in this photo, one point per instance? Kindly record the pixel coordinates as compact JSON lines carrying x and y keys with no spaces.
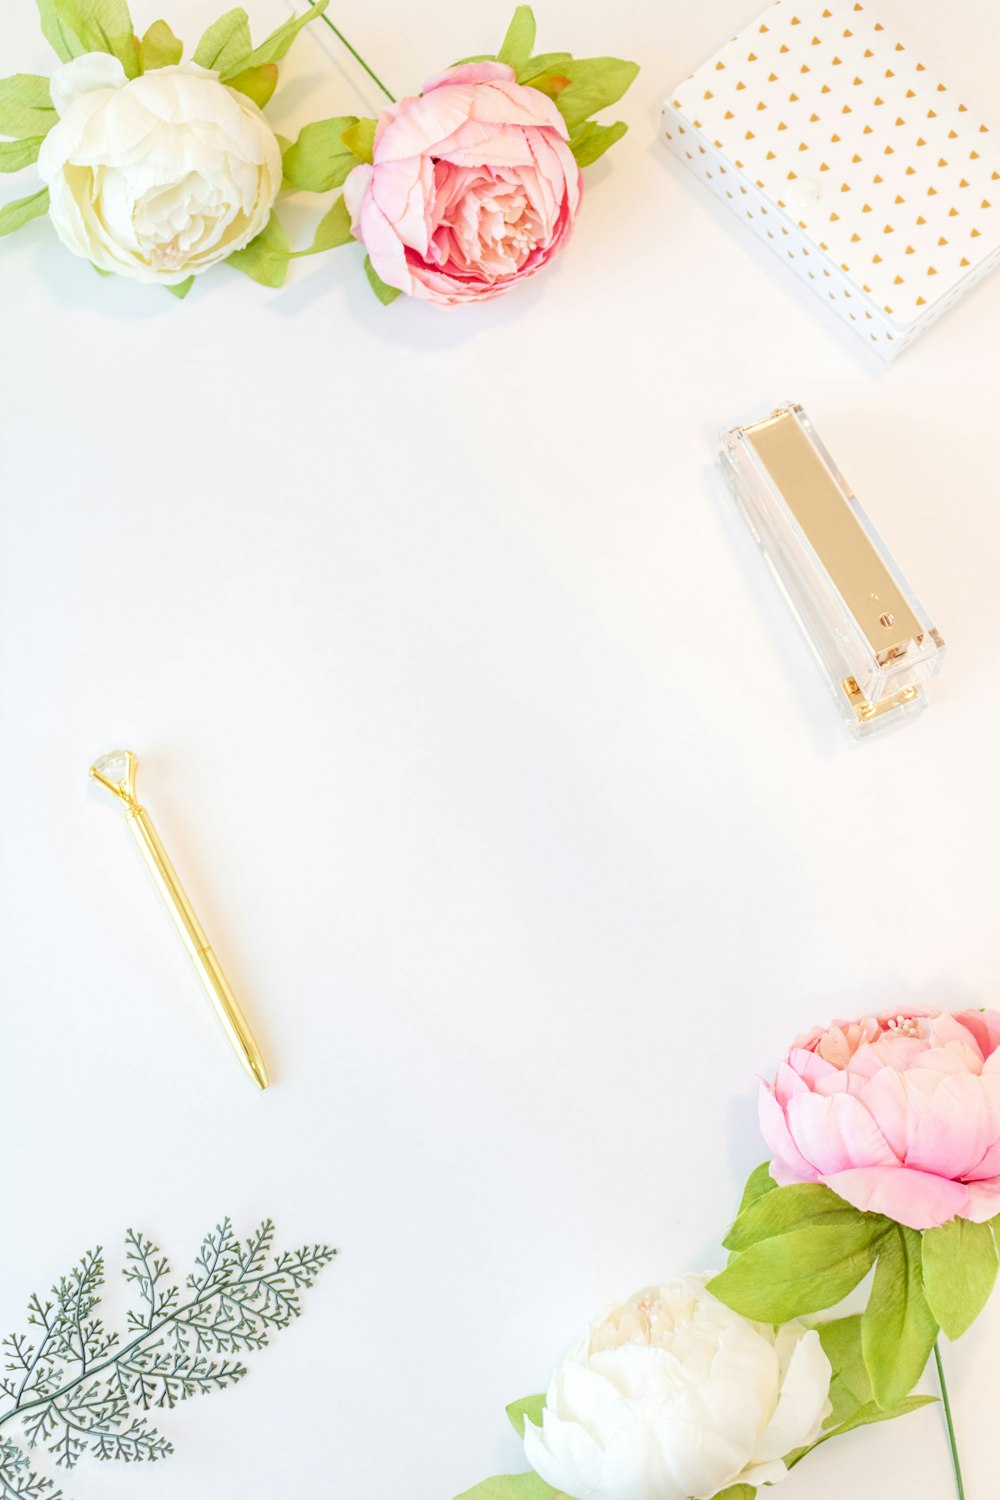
{"x":258,"y":1074}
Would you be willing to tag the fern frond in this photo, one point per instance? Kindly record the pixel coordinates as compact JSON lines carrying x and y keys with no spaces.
{"x":73,"y":1386}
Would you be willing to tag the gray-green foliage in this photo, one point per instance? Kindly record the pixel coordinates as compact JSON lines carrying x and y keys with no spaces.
{"x":70,"y":1386}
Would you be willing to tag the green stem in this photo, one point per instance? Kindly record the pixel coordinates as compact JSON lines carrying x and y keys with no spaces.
{"x":946,"y":1403}
{"x":356,"y":55}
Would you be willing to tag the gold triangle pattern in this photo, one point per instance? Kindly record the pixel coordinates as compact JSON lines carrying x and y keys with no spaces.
{"x":849,"y":53}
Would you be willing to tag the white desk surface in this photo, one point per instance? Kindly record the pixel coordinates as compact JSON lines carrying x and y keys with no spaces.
{"x":507,"y":790}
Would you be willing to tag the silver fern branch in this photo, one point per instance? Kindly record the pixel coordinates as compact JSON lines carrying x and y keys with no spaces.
{"x":72,"y":1387}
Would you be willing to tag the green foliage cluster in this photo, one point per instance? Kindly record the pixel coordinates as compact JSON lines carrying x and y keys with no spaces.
{"x":579,"y":86}
{"x":70,"y":1386}
{"x":76,"y":27}
{"x":800,"y":1250}
{"x":324,"y":152}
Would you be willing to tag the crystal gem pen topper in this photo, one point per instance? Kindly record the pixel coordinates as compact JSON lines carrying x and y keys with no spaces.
{"x":116,"y":771}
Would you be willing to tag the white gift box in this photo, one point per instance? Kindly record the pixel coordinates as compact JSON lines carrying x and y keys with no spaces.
{"x":858,"y":166}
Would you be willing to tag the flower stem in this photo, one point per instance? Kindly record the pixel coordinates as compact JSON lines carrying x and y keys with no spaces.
{"x":946,"y":1403}
{"x":356,"y":55}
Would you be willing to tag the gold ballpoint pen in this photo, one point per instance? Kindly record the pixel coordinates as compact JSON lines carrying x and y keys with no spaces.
{"x":116,"y":771}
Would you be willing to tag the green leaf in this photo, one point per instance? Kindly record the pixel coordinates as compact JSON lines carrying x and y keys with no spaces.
{"x":383,"y":292}
{"x":803,"y":1271}
{"x":871,"y":1412}
{"x":865,"y":1416}
{"x":181,"y":288}
{"x":334,"y":229}
{"x":257,"y":84}
{"x":227,"y":41}
{"x":26,"y":106}
{"x":736,"y":1492}
{"x":511,"y":1487}
{"x":960,"y":1268}
{"x":758,"y":1183}
{"x":530,"y":1408}
{"x":545,"y":62}
{"x":319,"y":160}
{"x":590,"y":140}
{"x":794,"y":1207}
{"x":99,"y":26}
{"x":360,"y":139}
{"x":898,"y":1328}
{"x":276,"y":46}
{"x":57,"y":31}
{"x":266,"y":258}
{"x":159,"y":48}
{"x":17,"y":154}
{"x":850,"y":1388}
{"x":517,"y":44}
{"x":584,"y":85}
{"x":15,"y":215}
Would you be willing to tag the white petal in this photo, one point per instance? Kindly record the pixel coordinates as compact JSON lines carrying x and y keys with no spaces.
{"x":565,"y":1456}
{"x":582,"y":1394}
{"x":759,"y":1474}
{"x":94,"y":70}
{"x":802,"y":1404}
{"x":639,"y":1465}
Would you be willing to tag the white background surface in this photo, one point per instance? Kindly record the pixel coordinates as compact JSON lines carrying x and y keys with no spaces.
{"x":508,"y":793}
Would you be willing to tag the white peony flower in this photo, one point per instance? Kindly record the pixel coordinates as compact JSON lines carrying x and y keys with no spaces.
{"x":672,"y":1396}
{"x":159,"y":177}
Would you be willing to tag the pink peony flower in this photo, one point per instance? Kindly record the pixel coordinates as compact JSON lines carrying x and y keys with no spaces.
{"x":472,"y":189}
{"x":898,"y":1114}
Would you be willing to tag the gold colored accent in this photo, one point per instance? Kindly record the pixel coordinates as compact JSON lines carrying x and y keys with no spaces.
{"x":175,"y":899}
{"x":811,"y":491}
{"x":863,"y":710}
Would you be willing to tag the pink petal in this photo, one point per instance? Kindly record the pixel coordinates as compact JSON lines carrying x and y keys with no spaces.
{"x":945,"y":1028}
{"x":984,"y":1026}
{"x":988,"y":1167}
{"x":385,"y":248}
{"x":885,"y":1098}
{"x":836,"y":1133}
{"x":509,"y":103}
{"x":917,"y":1199}
{"x":810,"y":1066}
{"x":953,"y":1124}
{"x":865,"y":1062}
{"x":480,"y":72}
{"x":355,"y":189}
{"x":983,"y":1201}
{"x":482,"y":143}
{"x":839,"y":1083}
{"x":402,"y":191}
{"x":787,"y":1157}
{"x":954,"y":1055}
{"x":414,"y":127}
{"x":423,"y":125}
{"x":788,"y":1084}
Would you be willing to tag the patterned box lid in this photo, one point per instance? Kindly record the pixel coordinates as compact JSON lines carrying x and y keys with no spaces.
{"x":874,"y":158}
